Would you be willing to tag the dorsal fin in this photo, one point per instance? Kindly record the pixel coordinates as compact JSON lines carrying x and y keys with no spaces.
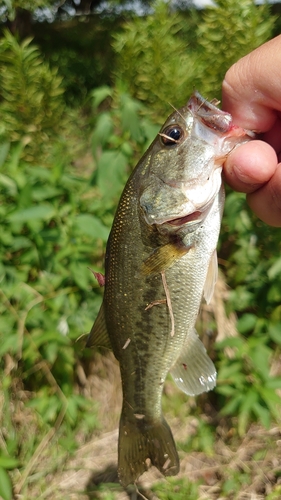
{"x":98,"y":335}
{"x":211,"y":279}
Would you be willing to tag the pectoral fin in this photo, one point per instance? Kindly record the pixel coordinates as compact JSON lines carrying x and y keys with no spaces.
{"x":163,"y":258}
{"x":212,"y":277}
{"x":98,"y":335}
{"x":194,"y":372}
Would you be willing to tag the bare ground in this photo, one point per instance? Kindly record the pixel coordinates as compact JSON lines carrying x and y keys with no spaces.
{"x":257,"y":458}
{"x":247,"y":468}
{"x":242,"y":469}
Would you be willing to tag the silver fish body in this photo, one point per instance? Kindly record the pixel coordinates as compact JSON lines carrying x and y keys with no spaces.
{"x":160,"y":261}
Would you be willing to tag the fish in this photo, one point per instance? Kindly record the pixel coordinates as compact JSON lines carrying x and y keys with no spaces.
{"x":160,"y":262}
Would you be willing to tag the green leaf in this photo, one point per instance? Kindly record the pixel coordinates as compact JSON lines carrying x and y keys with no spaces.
{"x":225,"y":390}
{"x":102,"y":131}
{"x":274,"y":383}
{"x":80,"y":274}
{"x":274,"y":293}
{"x":20,"y":242}
{"x":274,"y":331}
{"x":111,"y":170}
{"x":260,"y":357}
{"x":271,"y":399}
{"x":8,"y":462}
{"x":246,"y":323}
{"x":130,"y":118}
{"x":231,"y":408}
{"x":100,"y":94}
{"x":44,"y":192}
{"x":5,"y":485}
{"x":9,"y":344}
{"x":9,"y":184}
{"x":263,"y":414}
{"x":274,"y":270}
{"x":230,"y":370}
{"x":236,"y":342}
{"x":40,"y":212}
{"x":91,"y":226}
{"x":48,"y":337}
{"x":246,"y":407}
{"x":4,"y":150}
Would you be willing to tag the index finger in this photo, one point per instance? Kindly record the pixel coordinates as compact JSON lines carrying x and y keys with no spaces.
{"x":251,"y":90}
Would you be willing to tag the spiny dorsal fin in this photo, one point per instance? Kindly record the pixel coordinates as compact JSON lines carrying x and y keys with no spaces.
{"x":163,"y":258}
{"x":194,"y":372}
{"x":98,"y":335}
{"x":212,"y":277}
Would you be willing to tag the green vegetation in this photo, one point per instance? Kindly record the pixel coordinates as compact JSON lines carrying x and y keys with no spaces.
{"x":64,"y":159}
{"x":176,"y":488}
{"x":226,"y":34}
{"x":152,"y":56}
{"x":31,"y":101}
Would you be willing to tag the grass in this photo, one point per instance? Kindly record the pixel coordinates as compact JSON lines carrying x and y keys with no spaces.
{"x":229,"y":468}
{"x":56,"y":462}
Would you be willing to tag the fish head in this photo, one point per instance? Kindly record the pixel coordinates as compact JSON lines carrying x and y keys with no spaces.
{"x":182,"y":172}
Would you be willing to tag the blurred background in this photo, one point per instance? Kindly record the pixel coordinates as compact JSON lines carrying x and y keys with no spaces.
{"x":84,"y":87}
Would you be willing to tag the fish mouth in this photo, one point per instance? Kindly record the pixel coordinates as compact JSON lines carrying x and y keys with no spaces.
{"x":191,"y":219}
{"x":186,"y":219}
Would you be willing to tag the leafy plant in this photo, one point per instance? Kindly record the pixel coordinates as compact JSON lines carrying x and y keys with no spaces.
{"x":31,"y":96}
{"x":154,"y":60}
{"x":6,"y":463}
{"x":247,"y":382}
{"x":228,"y":31}
{"x":176,"y":488}
{"x":46,"y":300}
{"x":157,"y":54}
{"x":54,"y":225}
{"x":120,"y":136}
{"x":201,"y":440}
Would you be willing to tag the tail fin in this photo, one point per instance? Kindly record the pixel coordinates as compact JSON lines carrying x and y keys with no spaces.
{"x":142,"y":442}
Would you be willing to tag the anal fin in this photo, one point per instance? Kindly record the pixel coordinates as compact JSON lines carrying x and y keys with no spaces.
{"x":98,"y":335}
{"x":194,"y":372}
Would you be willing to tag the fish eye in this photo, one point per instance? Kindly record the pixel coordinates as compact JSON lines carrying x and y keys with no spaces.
{"x":172,"y":135}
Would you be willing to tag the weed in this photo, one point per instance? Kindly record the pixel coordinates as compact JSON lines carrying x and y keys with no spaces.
{"x":176,"y":488}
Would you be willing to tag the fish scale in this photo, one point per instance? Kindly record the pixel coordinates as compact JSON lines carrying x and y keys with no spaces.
{"x":160,"y":260}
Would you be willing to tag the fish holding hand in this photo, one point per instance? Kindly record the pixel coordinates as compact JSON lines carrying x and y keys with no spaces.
{"x":160,"y":261}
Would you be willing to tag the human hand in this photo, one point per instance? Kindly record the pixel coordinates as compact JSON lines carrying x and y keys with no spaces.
{"x":252,"y":94}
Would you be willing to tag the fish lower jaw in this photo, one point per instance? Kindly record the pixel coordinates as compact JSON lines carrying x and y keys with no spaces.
{"x":189,"y":220}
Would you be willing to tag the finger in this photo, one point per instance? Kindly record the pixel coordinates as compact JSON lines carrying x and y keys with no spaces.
{"x":273,"y":136}
{"x":249,"y":166}
{"x":247,"y":93}
{"x":266,"y":201}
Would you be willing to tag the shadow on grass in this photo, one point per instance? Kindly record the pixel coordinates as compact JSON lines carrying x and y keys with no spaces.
{"x":103,"y":485}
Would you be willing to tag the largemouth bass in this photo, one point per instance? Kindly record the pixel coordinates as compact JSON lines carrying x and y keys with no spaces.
{"x":160,"y":261}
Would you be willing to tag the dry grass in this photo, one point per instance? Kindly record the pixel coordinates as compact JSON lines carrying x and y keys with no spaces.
{"x":237,"y":469}
{"x":253,"y":465}
{"x":249,"y":468}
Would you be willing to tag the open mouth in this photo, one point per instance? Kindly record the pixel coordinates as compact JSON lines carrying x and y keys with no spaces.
{"x":184,"y":220}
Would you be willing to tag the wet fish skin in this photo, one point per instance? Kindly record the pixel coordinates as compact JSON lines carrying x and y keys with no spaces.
{"x":160,"y":258}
